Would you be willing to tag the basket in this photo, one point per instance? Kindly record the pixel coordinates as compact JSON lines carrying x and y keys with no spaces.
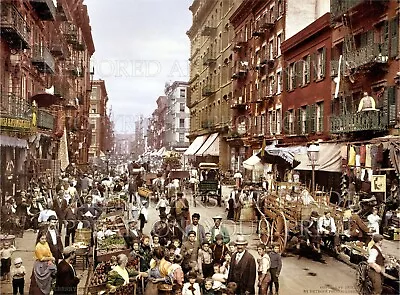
{"x":83,"y":235}
{"x":144,"y":192}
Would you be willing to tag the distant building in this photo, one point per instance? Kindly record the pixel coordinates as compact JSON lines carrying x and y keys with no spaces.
{"x":177,"y":117}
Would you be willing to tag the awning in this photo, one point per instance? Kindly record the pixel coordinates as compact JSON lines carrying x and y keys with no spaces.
{"x":195,"y":146}
{"x":280,"y":156}
{"x":13,"y":142}
{"x":161,"y":151}
{"x":254,"y":162}
{"x":329,"y":158}
{"x":210,"y":147}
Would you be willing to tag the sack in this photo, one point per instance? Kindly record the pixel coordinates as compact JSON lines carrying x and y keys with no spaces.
{"x":80,"y":225}
{"x":164,"y":287}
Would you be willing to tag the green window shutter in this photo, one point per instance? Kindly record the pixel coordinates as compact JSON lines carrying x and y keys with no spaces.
{"x":392,"y":105}
{"x":323,"y":60}
{"x":384,"y":47}
{"x":394,"y":37}
{"x":297,"y":121}
{"x":308,"y":117}
{"x":321,"y":117}
{"x":294,"y":77}
{"x":287,"y":78}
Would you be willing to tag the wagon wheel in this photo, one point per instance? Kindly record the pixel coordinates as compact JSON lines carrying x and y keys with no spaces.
{"x":280,"y":231}
{"x":264,"y":231}
{"x":363,"y":283}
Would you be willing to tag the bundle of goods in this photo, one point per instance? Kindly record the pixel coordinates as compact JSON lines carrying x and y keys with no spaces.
{"x":144,"y":192}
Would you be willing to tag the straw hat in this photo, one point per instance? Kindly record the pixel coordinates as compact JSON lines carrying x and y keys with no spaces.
{"x":240,"y":240}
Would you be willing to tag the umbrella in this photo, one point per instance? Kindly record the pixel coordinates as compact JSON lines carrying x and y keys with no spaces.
{"x":280,"y":156}
{"x":252,"y":163}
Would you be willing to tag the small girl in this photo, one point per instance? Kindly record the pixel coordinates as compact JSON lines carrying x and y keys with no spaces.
{"x":162,"y":204}
{"x":18,"y":276}
{"x":205,"y":260}
{"x":5,"y":254}
{"x":113,"y":261}
{"x":156,"y":242}
{"x":208,"y":287}
{"x":191,"y":287}
{"x":177,"y":245}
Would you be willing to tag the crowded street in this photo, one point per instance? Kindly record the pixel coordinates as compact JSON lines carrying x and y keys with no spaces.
{"x":199,"y":147}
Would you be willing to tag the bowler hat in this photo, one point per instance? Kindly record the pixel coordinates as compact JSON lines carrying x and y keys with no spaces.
{"x":314,"y":214}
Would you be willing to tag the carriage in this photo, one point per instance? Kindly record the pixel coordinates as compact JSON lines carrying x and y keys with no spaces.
{"x":209,"y":186}
{"x":283,"y":211}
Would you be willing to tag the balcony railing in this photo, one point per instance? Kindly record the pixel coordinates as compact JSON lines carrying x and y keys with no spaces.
{"x":13,"y":28}
{"x":71,"y":33}
{"x":208,"y":90}
{"x":58,"y":49}
{"x":340,"y":7}
{"x":238,"y":103}
{"x":240,"y":70}
{"x":74,"y":69}
{"x":15,"y":112}
{"x":367,"y":56}
{"x":209,"y":58}
{"x":45,"y":120}
{"x":42,"y":59}
{"x":45,"y":9}
{"x":363,"y":121}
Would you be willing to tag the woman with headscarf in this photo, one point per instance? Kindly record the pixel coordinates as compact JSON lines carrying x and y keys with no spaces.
{"x":120,"y":275}
{"x":158,"y":273}
{"x":44,"y":269}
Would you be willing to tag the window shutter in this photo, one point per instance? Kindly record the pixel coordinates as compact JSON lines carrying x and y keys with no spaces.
{"x":298,"y":121}
{"x":384,"y":47}
{"x":321,"y":117}
{"x":308,"y":69}
{"x":294,"y":75}
{"x":323,"y":61}
{"x":313,"y":121}
{"x":313,"y":66}
{"x":394,"y":37}
{"x":287,"y":78}
{"x":392,"y":105}
{"x":274,"y":121}
{"x":308,"y":122}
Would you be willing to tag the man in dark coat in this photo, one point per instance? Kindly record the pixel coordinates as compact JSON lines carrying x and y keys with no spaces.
{"x":53,"y":238}
{"x":175,"y":232}
{"x":242,"y":269}
{"x":66,"y":279}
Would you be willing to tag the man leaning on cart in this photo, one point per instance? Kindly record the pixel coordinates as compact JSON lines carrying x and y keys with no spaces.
{"x":376,"y":262}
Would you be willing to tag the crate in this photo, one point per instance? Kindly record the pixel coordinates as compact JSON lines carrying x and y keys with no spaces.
{"x":144,"y":192}
{"x":396,"y":234}
{"x":83,"y":235}
{"x":107,"y":256}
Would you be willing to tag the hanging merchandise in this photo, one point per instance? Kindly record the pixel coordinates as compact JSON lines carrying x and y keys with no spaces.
{"x":352,"y":156}
{"x":362,"y":155}
{"x":374,"y":155}
{"x":343,"y":154}
{"x":379,"y":155}
{"x":368,"y":156}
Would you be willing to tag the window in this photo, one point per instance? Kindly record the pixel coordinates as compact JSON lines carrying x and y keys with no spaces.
{"x":92,"y":126}
{"x":280,"y":8}
{"x":292,"y":77}
{"x":263,"y":123}
{"x":303,"y":123}
{"x":320,"y":63}
{"x":181,"y":123}
{"x":271,"y":85}
{"x":278,"y":121}
{"x":182,"y":92}
{"x":272,"y":122}
{"x":272,"y":14}
{"x":305,"y":70}
{"x":278,"y":44}
{"x":271,"y":49}
{"x":93,"y":109}
{"x":182,"y":107}
{"x":279,"y":82}
{"x":93,"y":139}
{"x":320,"y":117}
{"x":290,"y":122}
{"x":181,"y":137}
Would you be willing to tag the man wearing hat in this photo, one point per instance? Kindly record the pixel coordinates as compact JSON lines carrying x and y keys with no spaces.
{"x":54,"y":239}
{"x":376,"y":261}
{"x":66,"y":279}
{"x":242,"y":269}
{"x":160,"y":229}
{"x":219,"y":229}
{"x":197,"y":228}
{"x":174,"y":232}
{"x":132,"y":233}
{"x":311,"y":231}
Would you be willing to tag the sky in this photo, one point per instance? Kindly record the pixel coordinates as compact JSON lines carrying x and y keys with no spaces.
{"x":140,"y":45}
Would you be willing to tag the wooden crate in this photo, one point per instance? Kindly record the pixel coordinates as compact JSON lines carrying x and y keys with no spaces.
{"x":107,"y":256}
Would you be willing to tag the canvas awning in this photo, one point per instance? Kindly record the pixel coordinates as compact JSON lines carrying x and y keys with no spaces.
{"x":196,"y":145}
{"x":280,"y":155}
{"x":253,"y":162}
{"x":329,"y":158}
{"x":210,"y":147}
{"x":161,"y":151}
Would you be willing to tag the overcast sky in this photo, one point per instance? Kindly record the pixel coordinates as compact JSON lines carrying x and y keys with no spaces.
{"x":140,"y":45}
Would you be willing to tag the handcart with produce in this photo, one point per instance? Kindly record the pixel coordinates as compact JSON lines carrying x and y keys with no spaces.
{"x":284,"y":210}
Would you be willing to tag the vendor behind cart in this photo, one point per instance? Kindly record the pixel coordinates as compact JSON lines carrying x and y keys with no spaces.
{"x":376,"y":262}
{"x":120,"y":275}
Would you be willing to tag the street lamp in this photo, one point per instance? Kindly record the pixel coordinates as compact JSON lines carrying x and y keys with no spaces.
{"x":313,"y":155}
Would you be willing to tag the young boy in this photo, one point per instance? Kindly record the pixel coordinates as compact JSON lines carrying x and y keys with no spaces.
{"x":5,"y":254}
{"x":205,"y":260}
{"x":264,"y":276}
{"x":275,"y":268}
{"x":207,"y":289}
{"x":18,"y":276}
{"x":177,"y":245}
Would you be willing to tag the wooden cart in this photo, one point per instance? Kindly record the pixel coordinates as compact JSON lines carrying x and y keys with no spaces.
{"x":283,"y":211}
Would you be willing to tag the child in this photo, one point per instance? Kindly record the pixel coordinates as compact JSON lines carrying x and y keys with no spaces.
{"x":175,"y":272}
{"x":219,"y":277}
{"x":208,"y":287}
{"x":226,"y":264}
{"x":177,"y":245}
{"x":145,"y":253}
{"x":275,"y":268}
{"x":219,"y":249}
{"x":162,"y":204}
{"x":18,"y":274}
{"x":232,"y":247}
{"x":264,"y":276}
{"x":208,"y":238}
{"x":156,"y":242}
{"x":205,"y":261}
{"x":191,"y":287}
{"x":5,"y":255}
{"x":114,"y":261}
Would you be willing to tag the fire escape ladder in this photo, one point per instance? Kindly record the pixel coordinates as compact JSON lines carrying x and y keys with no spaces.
{"x":350,"y":42}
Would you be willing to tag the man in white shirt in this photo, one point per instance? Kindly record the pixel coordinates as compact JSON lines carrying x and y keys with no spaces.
{"x":327,"y":229}
{"x":45,"y":214}
{"x":376,"y":262}
{"x":373,"y":221}
{"x":54,"y":239}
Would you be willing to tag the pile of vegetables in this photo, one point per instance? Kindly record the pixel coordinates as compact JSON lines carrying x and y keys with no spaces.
{"x":111,"y":243}
{"x":100,"y":274}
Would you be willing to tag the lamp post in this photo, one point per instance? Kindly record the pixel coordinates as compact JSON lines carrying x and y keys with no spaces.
{"x":313,"y":155}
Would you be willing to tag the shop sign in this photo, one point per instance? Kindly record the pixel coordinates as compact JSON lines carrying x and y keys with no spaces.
{"x":378,"y":184}
{"x":15,"y":123}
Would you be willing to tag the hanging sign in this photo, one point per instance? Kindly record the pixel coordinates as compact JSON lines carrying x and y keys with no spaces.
{"x":378,"y":184}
